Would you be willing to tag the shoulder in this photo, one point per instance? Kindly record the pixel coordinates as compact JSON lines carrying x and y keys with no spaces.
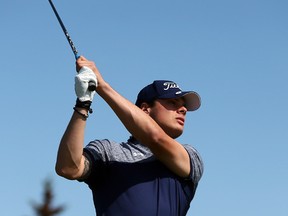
{"x":100,"y":149}
{"x":109,"y":150}
{"x":99,"y":145}
{"x":191,"y":150}
{"x":197,"y":166}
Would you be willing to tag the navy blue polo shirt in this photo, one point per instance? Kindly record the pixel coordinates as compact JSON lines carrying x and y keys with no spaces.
{"x":126,"y":179}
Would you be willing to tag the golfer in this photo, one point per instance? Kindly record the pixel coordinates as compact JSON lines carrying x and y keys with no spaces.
{"x":150,"y":174}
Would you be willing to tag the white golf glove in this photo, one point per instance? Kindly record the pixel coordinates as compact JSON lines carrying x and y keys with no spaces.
{"x":82,"y":80}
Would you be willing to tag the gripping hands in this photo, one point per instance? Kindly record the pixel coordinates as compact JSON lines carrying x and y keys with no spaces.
{"x":82,"y":80}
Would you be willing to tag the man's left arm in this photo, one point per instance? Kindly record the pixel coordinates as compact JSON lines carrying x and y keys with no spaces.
{"x":147,"y":131}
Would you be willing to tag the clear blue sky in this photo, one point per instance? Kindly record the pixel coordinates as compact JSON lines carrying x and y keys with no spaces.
{"x":233,"y":53}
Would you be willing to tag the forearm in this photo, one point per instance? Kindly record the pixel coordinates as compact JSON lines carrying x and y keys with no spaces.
{"x":138,"y":123}
{"x":69,"y":158}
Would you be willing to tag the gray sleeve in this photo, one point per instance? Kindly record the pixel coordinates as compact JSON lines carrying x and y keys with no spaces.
{"x":109,"y":150}
{"x":99,"y":150}
{"x":197,"y":166}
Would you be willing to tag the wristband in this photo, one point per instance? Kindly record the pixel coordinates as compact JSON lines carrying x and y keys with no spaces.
{"x":82,"y":114}
{"x":84,"y":104}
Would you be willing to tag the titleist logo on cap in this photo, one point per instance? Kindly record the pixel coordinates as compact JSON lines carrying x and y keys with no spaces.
{"x":167,"y":89}
{"x":170,"y":85}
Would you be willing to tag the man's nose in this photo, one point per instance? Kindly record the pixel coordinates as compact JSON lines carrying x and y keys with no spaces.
{"x":182,"y":110}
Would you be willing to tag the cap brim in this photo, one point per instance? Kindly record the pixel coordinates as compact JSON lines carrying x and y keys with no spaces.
{"x":192,"y":100}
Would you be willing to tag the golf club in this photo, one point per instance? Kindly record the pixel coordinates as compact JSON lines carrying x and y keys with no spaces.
{"x":91,"y":85}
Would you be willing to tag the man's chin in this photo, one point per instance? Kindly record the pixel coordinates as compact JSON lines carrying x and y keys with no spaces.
{"x":176,"y":134}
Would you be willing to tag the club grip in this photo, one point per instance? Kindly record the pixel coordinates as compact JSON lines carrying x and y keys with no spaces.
{"x":91,"y":86}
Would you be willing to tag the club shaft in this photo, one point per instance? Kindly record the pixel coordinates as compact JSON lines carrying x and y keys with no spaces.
{"x":91,"y":85}
{"x":65,"y":30}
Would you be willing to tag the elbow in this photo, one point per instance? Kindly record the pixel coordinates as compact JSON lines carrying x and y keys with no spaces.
{"x":62,"y":172}
{"x":66,"y":172}
{"x":59,"y":171}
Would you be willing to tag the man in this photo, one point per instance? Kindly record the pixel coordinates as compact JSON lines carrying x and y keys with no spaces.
{"x":151,"y":173}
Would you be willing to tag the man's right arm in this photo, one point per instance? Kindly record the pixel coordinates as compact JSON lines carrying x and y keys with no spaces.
{"x":70,"y":160}
{"x":71,"y":163}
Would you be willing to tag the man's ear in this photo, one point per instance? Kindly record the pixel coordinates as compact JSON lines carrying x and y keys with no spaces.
{"x":145,"y":107}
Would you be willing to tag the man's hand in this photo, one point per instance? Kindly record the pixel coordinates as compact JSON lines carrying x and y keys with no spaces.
{"x":82,"y":80}
{"x":82,"y":61}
